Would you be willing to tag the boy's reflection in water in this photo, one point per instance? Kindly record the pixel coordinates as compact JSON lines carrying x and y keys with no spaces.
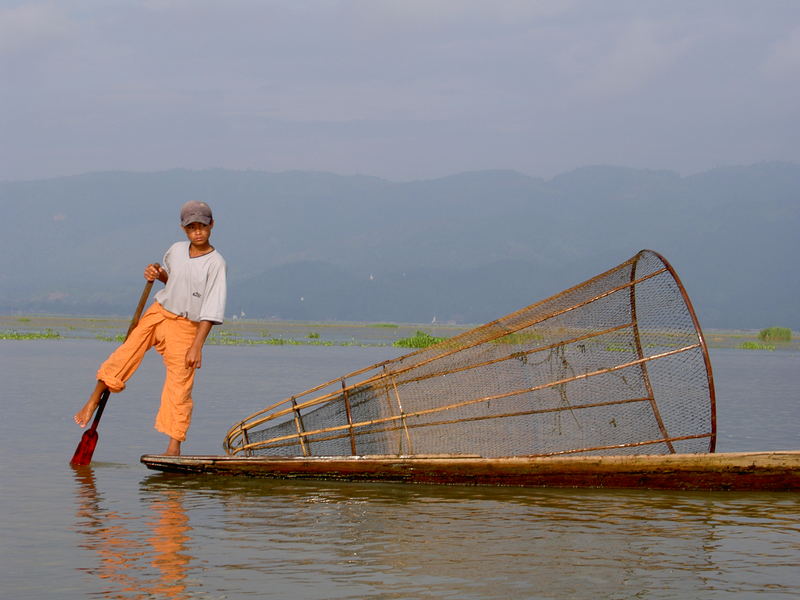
{"x":135,"y":562}
{"x":170,"y":535}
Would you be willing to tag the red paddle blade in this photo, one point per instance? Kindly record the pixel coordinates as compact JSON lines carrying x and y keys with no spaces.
{"x":85,"y":449}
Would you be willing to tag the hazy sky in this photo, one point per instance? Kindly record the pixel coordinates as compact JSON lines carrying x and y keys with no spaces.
{"x":400,"y":89}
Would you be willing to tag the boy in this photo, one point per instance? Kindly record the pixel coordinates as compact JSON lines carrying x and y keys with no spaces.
{"x":177,"y":324}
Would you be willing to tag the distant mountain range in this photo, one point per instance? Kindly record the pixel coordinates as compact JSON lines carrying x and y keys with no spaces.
{"x":466,"y":248}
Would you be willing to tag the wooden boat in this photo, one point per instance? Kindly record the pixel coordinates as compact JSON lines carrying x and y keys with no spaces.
{"x":764,"y":471}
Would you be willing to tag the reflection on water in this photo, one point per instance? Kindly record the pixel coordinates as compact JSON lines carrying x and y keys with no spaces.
{"x":278,"y":539}
{"x":169,"y":537}
{"x":124,"y":550}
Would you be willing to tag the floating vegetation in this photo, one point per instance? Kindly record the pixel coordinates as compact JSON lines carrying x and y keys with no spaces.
{"x":755,"y":346}
{"x":111,"y":338}
{"x":273,"y":341}
{"x":418,"y":340}
{"x":47,"y":334}
{"x":233,"y":339}
{"x":620,"y":348}
{"x":295,"y":333}
{"x":519,"y":338}
{"x":775,"y":334}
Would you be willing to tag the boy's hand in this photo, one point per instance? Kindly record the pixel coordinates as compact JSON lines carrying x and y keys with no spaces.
{"x":153,"y":272}
{"x":194,"y":358}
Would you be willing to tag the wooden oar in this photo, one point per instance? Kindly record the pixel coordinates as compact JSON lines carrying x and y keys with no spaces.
{"x":85,"y":450}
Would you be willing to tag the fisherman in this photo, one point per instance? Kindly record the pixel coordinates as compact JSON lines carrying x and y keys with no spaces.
{"x":177,"y":324}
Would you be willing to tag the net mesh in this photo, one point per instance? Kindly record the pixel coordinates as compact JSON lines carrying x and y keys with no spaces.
{"x":614,"y":365}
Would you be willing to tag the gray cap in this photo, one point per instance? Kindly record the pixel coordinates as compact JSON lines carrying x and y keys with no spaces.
{"x":195,"y":212}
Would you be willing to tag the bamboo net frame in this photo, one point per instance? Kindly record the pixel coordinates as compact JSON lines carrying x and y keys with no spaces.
{"x":615,"y":365}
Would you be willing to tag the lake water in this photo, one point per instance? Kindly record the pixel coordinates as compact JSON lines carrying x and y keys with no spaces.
{"x":117,"y":530}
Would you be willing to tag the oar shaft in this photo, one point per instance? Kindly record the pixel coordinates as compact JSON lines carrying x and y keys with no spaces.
{"x":140,"y":307}
{"x":100,"y":407}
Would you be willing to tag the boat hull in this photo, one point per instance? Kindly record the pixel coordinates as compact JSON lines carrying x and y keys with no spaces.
{"x":768,"y":471}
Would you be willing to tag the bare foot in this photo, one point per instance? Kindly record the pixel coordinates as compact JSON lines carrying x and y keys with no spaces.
{"x":173,"y":448}
{"x":84,"y":415}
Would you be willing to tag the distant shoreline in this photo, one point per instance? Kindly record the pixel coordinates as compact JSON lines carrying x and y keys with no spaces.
{"x":245,"y":332}
{"x":234,"y":332}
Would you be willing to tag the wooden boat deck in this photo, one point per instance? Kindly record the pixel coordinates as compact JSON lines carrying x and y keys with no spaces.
{"x":767,"y":471}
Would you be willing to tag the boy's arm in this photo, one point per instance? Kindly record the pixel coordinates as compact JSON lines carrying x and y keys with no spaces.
{"x":194,"y":356}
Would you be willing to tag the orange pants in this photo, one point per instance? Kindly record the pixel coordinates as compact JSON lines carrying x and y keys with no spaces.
{"x":172,"y":336}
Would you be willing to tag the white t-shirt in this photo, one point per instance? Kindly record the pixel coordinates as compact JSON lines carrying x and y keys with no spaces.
{"x":196,"y":288}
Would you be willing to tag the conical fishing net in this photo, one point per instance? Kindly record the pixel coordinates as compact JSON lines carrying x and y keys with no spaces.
{"x":614,"y":365}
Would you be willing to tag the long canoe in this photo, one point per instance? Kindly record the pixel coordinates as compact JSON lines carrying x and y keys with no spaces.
{"x":770,"y":471}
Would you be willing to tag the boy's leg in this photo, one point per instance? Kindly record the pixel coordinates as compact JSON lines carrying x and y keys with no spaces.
{"x":173,"y":448}
{"x":121,"y":364}
{"x":175,"y":413}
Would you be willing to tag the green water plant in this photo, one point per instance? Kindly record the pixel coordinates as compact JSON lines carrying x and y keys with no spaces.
{"x":47,"y":334}
{"x":111,"y":338}
{"x":519,"y":338}
{"x":775,"y":334}
{"x":420,"y":339}
{"x":618,"y":348}
{"x":755,"y":346}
